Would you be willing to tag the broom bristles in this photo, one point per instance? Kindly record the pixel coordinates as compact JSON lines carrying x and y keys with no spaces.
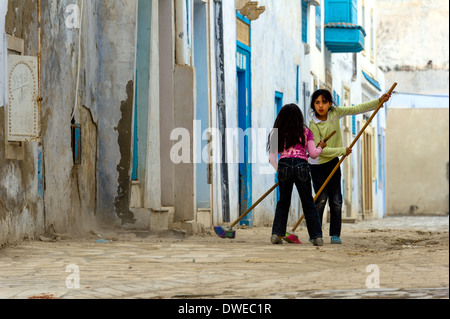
{"x":220,"y":231}
{"x":223,"y":232}
{"x":292,"y":239}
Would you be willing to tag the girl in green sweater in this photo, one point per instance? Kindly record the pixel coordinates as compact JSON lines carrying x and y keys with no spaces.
{"x":325,"y":120}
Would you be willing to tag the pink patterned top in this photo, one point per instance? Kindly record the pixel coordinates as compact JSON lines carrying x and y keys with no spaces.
{"x":298,"y":151}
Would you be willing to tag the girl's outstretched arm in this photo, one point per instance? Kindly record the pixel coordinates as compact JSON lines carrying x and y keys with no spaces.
{"x":357,"y":109}
{"x":334,"y":152}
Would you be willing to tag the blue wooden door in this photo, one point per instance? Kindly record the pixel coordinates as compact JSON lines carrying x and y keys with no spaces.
{"x":141,"y":93}
{"x":244,"y":118}
{"x":278,"y":106}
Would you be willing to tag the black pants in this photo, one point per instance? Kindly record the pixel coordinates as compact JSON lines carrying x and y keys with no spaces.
{"x":331,"y":192}
{"x":295,"y":171}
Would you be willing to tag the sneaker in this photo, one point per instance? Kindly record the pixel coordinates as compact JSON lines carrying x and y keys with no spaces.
{"x":276,"y":240}
{"x":336,"y":240}
{"x":317,"y":241}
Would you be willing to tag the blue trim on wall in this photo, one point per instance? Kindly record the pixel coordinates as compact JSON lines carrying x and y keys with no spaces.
{"x":243,"y":46}
{"x":134,"y":172}
{"x":304,"y":21}
{"x":372,"y":81}
{"x":243,"y":18}
{"x":244,"y":121}
{"x":353,"y":124}
{"x":319,"y":27}
{"x":278,"y":104}
{"x":188,"y":13}
{"x":40,"y":177}
{"x":297,"y":85}
{"x":141,"y":90}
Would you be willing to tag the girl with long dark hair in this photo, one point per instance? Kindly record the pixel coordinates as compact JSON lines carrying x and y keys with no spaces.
{"x":293,"y":142}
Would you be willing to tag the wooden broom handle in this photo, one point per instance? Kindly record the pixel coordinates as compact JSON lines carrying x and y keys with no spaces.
{"x":254,"y":205}
{"x":343,"y":157}
{"x":329,"y":136}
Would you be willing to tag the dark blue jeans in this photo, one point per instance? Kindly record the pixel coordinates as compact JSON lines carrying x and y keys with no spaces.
{"x":295,"y":171}
{"x":331,"y":192}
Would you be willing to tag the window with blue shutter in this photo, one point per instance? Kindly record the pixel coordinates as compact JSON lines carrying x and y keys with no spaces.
{"x":319,"y":27}
{"x":342,"y":32}
{"x":354,"y":124}
{"x":304,"y":21}
{"x":336,"y":98}
{"x":354,"y":11}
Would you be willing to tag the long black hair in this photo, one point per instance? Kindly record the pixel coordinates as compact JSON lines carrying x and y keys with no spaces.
{"x":326,"y":95}
{"x":288,"y":129}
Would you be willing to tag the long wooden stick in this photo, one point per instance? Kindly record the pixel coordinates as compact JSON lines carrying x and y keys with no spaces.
{"x":343,"y":157}
{"x":254,"y":205}
{"x":267,"y":193}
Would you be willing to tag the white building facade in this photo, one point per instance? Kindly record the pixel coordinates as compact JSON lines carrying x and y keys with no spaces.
{"x":286,"y":51}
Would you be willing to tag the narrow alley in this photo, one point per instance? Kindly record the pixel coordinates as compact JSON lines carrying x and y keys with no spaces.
{"x":409,"y":254}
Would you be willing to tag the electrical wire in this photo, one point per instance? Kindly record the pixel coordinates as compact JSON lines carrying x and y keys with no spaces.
{"x":79,"y":60}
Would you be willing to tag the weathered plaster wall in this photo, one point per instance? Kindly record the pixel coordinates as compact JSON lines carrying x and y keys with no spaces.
{"x":58,"y":82}
{"x":413,"y":44}
{"x":104,"y":112}
{"x":107,"y":78}
{"x":417,"y":169}
{"x":21,"y":210}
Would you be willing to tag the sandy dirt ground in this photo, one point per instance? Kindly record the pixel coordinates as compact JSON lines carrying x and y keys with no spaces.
{"x":405,"y":252}
{"x":393,"y":253}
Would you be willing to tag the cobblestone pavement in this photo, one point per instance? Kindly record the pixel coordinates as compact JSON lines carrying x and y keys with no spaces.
{"x":412,"y":254}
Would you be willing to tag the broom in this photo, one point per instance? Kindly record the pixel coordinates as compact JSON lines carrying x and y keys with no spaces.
{"x":229,"y":231}
{"x":292,"y":236}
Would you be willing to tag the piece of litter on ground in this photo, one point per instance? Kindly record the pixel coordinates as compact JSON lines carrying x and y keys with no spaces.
{"x":102,"y":241}
{"x":45,"y":239}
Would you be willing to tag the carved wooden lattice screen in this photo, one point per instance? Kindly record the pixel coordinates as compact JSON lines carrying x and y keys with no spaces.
{"x":367,"y":172}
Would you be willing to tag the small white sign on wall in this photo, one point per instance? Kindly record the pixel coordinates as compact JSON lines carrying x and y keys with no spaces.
{"x":23,"y":113}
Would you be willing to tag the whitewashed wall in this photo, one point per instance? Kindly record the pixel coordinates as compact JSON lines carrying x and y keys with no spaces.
{"x":276,"y":52}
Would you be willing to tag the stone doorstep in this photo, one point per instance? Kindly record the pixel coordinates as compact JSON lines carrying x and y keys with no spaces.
{"x":204,"y":217}
{"x":150,"y":219}
{"x":201,"y":223}
{"x":162,"y":220}
{"x":190,"y":227}
{"x":135,"y":197}
{"x":159,"y":219}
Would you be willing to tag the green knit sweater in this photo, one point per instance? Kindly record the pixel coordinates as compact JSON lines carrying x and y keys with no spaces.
{"x":321,"y":129}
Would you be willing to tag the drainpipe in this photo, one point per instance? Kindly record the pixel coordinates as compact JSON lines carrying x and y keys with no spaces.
{"x":39,"y":52}
{"x":221,"y":109}
{"x":78,"y":61}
